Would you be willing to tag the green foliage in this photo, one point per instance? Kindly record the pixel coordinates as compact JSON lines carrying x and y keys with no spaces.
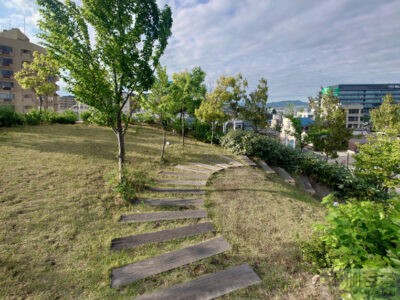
{"x":202,"y":132}
{"x":386,"y":118}
{"x":67,"y":117}
{"x":85,"y":115}
{"x":33,"y":117}
{"x":378,"y":162}
{"x":255,"y":106}
{"x":132,"y":182}
{"x":360,"y":244}
{"x":338,"y":177}
{"x":8,"y":117}
{"x":129,"y":38}
{"x":40,"y":76}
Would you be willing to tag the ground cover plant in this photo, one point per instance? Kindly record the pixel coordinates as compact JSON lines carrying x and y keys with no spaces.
{"x":58,"y":215}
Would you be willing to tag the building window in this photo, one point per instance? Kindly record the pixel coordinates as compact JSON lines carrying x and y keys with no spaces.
{"x":6,"y":50}
{"x":6,"y":85}
{"x":354,"y":111}
{"x":353,"y":119}
{"x":6,"y":62}
{"x":6,"y":73}
{"x":6,"y":96}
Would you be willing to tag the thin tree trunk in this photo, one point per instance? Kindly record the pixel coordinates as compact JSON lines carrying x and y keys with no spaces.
{"x":183,"y":127}
{"x":40,"y":104}
{"x":121,"y":147}
{"x":46,"y":103}
{"x":212,"y":132}
{"x":164,"y":142}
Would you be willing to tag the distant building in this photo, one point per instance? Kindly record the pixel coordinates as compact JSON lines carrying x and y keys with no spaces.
{"x":66,"y":103}
{"x":359,"y":99}
{"x":15,"y":49}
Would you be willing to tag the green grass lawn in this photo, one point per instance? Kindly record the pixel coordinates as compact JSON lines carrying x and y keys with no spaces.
{"x":58,"y":216}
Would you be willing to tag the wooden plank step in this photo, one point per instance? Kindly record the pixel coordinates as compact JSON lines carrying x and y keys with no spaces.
{"x":265,"y":167}
{"x":170,"y":202}
{"x":177,"y":191}
{"x":182,"y":182}
{"x":212,"y":168}
{"x":231,"y":161}
{"x":248,"y":161}
{"x":165,"y":262}
{"x":184,"y":175}
{"x":209,"y":286}
{"x":164,"y":216}
{"x":285,"y":175}
{"x":192,"y":169}
{"x":161,"y":236}
{"x":305,"y":184}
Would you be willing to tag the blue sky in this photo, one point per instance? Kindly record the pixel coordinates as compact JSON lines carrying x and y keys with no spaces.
{"x":297,"y":45}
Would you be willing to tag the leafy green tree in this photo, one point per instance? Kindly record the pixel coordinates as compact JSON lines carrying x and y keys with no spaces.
{"x":189,"y":90}
{"x":329,"y":132}
{"x":231,"y":90}
{"x":105,"y":71}
{"x":255,"y":106}
{"x":40,"y":76}
{"x":386,"y":118}
{"x":161,"y":103}
{"x":211,"y":111}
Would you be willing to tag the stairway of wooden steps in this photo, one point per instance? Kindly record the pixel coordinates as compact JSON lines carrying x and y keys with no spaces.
{"x":208,"y":286}
{"x":182,"y":182}
{"x":164,"y":216}
{"x":165,"y":262}
{"x":161,"y":236}
{"x":177,"y":191}
{"x":170,"y":202}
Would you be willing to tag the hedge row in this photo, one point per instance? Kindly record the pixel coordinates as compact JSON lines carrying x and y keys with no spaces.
{"x":339,"y":178}
{"x":8,"y":117}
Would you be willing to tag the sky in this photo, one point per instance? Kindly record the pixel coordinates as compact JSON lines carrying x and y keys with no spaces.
{"x":297,"y":45}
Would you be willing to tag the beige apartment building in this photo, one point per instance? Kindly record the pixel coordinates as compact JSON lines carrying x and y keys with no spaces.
{"x":354,"y":115}
{"x":15,"y":49}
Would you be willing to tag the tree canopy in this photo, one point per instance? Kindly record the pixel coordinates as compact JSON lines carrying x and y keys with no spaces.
{"x":40,"y":76}
{"x":386,"y":118}
{"x":255,"y":106}
{"x":108,"y":51}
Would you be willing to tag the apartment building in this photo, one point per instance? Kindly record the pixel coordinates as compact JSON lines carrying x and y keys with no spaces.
{"x":15,"y":49}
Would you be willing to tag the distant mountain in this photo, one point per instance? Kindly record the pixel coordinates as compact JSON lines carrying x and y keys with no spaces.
{"x":283,"y":104}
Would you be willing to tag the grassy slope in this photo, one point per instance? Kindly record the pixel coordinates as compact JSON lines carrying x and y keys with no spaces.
{"x":57,"y":216}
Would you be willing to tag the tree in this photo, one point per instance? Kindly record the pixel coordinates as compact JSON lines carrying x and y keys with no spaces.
{"x":255,"y":106}
{"x":40,"y":76}
{"x":106,"y":70}
{"x":231,"y":90}
{"x":386,"y":118}
{"x":378,"y":162}
{"x":189,"y":90}
{"x":211,"y":111}
{"x":160,"y":102}
{"x":329,"y":132}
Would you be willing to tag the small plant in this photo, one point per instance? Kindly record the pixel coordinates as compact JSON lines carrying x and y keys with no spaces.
{"x":133,"y":182}
{"x":33,"y":117}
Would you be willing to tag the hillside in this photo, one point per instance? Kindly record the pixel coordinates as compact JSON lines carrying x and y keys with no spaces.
{"x":283,"y":104}
{"x":58,"y":216}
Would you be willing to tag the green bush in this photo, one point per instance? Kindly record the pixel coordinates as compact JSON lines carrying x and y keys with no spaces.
{"x":202,"y":132}
{"x":98,"y":118}
{"x":33,"y":117}
{"x":8,"y":117}
{"x":67,"y":117}
{"x":85,"y":115}
{"x":145,"y":117}
{"x":338,"y":177}
{"x":360,"y":245}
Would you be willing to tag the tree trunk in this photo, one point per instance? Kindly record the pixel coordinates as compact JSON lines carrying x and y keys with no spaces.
{"x":183,"y":127}
{"x":163,"y":144}
{"x":46,"y":103}
{"x":40,"y":104}
{"x":121,"y":147}
{"x":212,"y":132}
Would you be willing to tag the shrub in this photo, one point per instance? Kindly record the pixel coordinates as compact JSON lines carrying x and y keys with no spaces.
{"x":33,"y":117}
{"x":8,"y":117}
{"x":98,"y":118}
{"x":360,"y":245}
{"x":202,"y":132}
{"x":85,"y":115}
{"x":67,"y":117}
{"x":338,"y":177}
{"x":145,"y":117}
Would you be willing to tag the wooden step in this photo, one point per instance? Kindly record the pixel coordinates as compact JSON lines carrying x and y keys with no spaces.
{"x":165,"y":216}
{"x":231,"y":161}
{"x":165,"y":262}
{"x":265,"y":167}
{"x":182,"y":182}
{"x":177,"y":191}
{"x":170,"y":202}
{"x":161,"y":236}
{"x":285,"y":175}
{"x":212,"y":168}
{"x":305,"y":184}
{"x":208,"y":286}
{"x":248,"y":161}
{"x":193,"y":169}
{"x":184,"y":175}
